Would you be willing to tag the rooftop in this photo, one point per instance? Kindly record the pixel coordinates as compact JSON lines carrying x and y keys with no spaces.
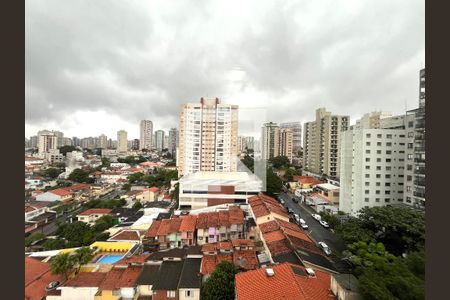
{"x":93,"y":211}
{"x":86,"y":279}
{"x":148,"y":275}
{"x":190,"y":275}
{"x":168,"y":276}
{"x":126,"y":235}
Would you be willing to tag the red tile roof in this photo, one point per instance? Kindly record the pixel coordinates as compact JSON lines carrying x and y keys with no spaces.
{"x":284,"y":284}
{"x":86,"y":279}
{"x":60,"y":192}
{"x":151,"y":233}
{"x":309,"y":180}
{"x":273,"y":236}
{"x":234,"y":215}
{"x":289,"y":225}
{"x":78,"y":187}
{"x":126,"y":235}
{"x":225,"y":245}
{"x":135,"y":259}
{"x":93,"y":211}
{"x":279,"y":247}
{"x":243,"y":243}
{"x":153,"y":189}
{"x":169,"y":226}
{"x":209,"y":262}
{"x":269,"y":226}
{"x":263,"y":205}
{"x":120,"y":278}
{"x":245,"y":259}
{"x":37,"y":277}
{"x":188,"y":223}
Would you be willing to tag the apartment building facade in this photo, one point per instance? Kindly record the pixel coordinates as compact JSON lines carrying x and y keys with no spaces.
{"x":286,"y":142}
{"x":270,"y":137}
{"x":321,"y":143}
{"x":208,"y":137}
{"x":296,"y":128}
{"x":47,"y":141}
{"x":173,"y":141}
{"x":122,"y":141}
{"x":146,"y":134}
{"x":159,"y":140}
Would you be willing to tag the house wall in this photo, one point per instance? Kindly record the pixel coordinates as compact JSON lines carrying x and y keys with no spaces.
{"x":341,"y":293}
{"x":145,"y":290}
{"x":162,"y":295}
{"x":195,"y":294}
{"x":47,"y":196}
{"x":75,"y":293}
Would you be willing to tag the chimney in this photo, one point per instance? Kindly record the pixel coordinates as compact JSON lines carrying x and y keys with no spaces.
{"x":270,"y":272}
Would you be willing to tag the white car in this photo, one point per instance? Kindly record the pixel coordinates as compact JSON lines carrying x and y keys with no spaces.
{"x":325,"y":248}
{"x":324,"y":224}
{"x":302,"y":221}
{"x":304,"y":225}
{"x":317,"y":217}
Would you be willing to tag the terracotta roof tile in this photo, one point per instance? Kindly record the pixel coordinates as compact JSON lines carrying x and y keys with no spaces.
{"x":169,"y":226}
{"x":188,"y":223}
{"x":60,"y":192}
{"x":37,"y":277}
{"x":273,"y":236}
{"x":121,"y":278}
{"x":92,"y":211}
{"x":245,"y":259}
{"x":269,"y":226}
{"x":152,"y":231}
{"x":126,"y":235}
{"x":86,"y":279}
{"x":279,"y":247}
{"x":243,"y":243}
{"x":135,"y":259}
{"x":209,"y":262}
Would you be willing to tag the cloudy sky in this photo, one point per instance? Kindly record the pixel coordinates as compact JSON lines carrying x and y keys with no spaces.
{"x":96,"y":67}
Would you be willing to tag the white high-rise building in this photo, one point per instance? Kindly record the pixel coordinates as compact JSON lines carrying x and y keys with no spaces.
{"x":373,"y":163}
{"x":270,"y":140}
{"x":146,"y":128}
{"x":47,"y":141}
{"x":208,"y":137}
{"x":159,"y":139}
{"x":102,"y":141}
{"x":122,"y":141}
{"x":173,"y":141}
{"x":286,"y":143}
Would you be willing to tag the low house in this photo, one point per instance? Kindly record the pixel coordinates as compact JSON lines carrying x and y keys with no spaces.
{"x":190,"y":280}
{"x":84,"y":285}
{"x":129,"y":236}
{"x":164,"y":233}
{"x":187,"y":230}
{"x":265,"y":208}
{"x":283,"y":281}
{"x":60,"y":194}
{"x":93,"y":214}
{"x":166,"y":284}
{"x":149,"y":194}
{"x":328,"y":191}
{"x":37,"y":276}
{"x":35,"y":208}
{"x":119,"y":283}
{"x":146,"y":279}
{"x":345,"y":287}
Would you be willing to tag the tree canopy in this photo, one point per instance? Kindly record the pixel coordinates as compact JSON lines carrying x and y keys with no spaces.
{"x":52,"y":172}
{"x":64,"y":149}
{"x":273,"y":183}
{"x":279,"y":162}
{"x":220,"y":285}
{"x":81,"y":176}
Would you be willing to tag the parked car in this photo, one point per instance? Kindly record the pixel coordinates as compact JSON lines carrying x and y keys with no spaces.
{"x":297,"y":218}
{"x":302,"y":221}
{"x":324,"y":224}
{"x":290,"y":210}
{"x":317,"y":217}
{"x":281,"y":201}
{"x":295,"y":200}
{"x":325,"y":248}
{"x":304,"y":226}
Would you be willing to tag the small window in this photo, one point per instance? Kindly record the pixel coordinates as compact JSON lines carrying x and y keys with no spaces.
{"x":410,"y":156}
{"x":377,"y":199}
{"x":366,"y":192}
{"x":367,"y":183}
{"x":367,"y":135}
{"x":387,"y":192}
{"x":188,"y":293}
{"x":378,"y":151}
{"x":388,"y":168}
{"x":367,"y":143}
{"x":387,"y":176}
{"x":377,"y":192}
{"x":366,"y":199}
{"x":379,"y":136}
{"x":387,"y":200}
{"x":389,"y":136}
{"x":388,"y":160}
{"x":387,"y":184}
{"x":367,"y":151}
{"x":378,"y":176}
{"x":388,"y":152}
{"x":367,"y":167}
{"x":171,"y":294}
{"x":367,"y":159}
{"x":410,"y":134}
{"x":388,"y":144}
{"x":378,"y":159}
{"x":378,"y":143}
{"x":367,"y":175}
{"x":408,"y":199}
{"x":408,"y":188}
{"x":410,"y":124}
{"x":378,"y":168}
{"x":378,"y":184}
{"x":409,"y":178}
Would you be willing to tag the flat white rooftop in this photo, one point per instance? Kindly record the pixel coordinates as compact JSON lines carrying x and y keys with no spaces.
{"x":328,"y":186}
{"x":242,"y":181}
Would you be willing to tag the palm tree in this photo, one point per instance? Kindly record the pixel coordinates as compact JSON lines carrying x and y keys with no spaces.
{"x":82,"y":256}
{"x":62,"y":264}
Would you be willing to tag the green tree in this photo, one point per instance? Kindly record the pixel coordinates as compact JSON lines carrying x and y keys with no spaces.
{"x":332,"y":220}
{"x":54,"y":244}
{"x":103,"y":223}
{"x":126,"y":187}
{"x":64,"y":149}
{"x":36,"y":236}
{"x":279,"y":162}
{"x":62,"y":264}
{"x":78,"y":175}
{"x":273,"y":183}
{"x":137,"y":205}
{"x":135,"y":177}
{"x":77,"y":233}
{"x":82,"y":256}
{"x":249,"y":162}
{"x":220,"y":285}
{"x":106,"y":162}
{"x":52,"y":173}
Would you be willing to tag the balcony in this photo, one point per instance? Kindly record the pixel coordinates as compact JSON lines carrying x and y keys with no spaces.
{"x":419,"y":194}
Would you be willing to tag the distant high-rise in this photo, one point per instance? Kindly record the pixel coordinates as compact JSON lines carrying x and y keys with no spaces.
{"x":159,"y":139}
{"x":208,"y":137}
{"x":60,"y":138}
{"x":372,"y":120}
{"x":286,"y":143}
{"x":102,"y":141}
{"x":47,"y":141}
{"x":321,"y":142}
{"x":270,"y":140}
{"x":145,"y":141}
{"x":245,"y":142}
{"x":135,"y":144}
{"x":76,"y":141}
{"x":296,"y":128}
{"x":122,"y":141}
{"x":173,"y":141}
{"x":34,"y":141}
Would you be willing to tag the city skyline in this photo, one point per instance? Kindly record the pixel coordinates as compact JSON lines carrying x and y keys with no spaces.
{"x":290,"y":62}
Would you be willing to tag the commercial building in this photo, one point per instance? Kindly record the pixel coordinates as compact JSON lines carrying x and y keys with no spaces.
{"x":208,"y":137}
{"x":122,"y":141}
{"x":373,"y":166}
{"x":321,"y":143}
{"x":204,"y":189}
{"x":296,"y":128}
{"x":146,"y":134}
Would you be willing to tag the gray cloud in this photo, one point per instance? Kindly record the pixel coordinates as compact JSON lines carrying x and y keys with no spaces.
{"x":141,"y":59}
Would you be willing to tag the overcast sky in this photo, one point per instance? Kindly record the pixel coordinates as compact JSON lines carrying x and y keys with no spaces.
{"x":96,"y":67}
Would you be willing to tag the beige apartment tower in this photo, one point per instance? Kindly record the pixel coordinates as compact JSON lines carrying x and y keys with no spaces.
{"x":286,"y":142}
{"x":321,"y":143}
{"x":122,"y":141}
{"x":270,"y":140}
{"x":208,"y":137}
{"x":146,"y":134}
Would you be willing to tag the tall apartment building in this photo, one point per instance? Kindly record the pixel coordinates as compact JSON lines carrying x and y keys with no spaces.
{"x":146,"y":134}
{"x":321,"y":143}
{"x":372,"y":170}
{"x":135,"y":144}
{"x":270,"y":140}
{"x":122,"y":141}
{"x":159,"y":140}
{"x":245,"y":142}
{"x":47,"y":141}
{"x":76,"y":141}
{"x":372,"y":120}
{"x":88,"y":143}
{"x":296,"y":128}
{"x":415,"y":168}
{"x":102,"y":142}
{"x":173,"y":141}
{"x":208,"y":137}
{"x":60,"y":138}
{"x":286,"y":143}
{"x":34,"y":141}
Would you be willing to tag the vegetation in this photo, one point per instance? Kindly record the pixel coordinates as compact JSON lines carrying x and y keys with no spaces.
{"x":273,"y":183}
{"x":103,"y":223}
{"x":53,"y":244}
{"x":386,"y":249}
{"x":135,"y":177}
{"x":34,"y":237}
{"x":220,"y":285}
{"x":111,"y":204}
{"x":78,"y":234}
{"x":63,"y":264}
{"x":82,"y":256}
{"x":52,"y":173}
{"x":332,"y":220}
{"x":64,"y":149}
{"x":161,"y":178}
{"x":81,"y":176}
{"x":291,"y":172}
{"x":280,"y":162}
{"x":249,"y":162}
{"x":131,"y":160}
{"x":137,"y":205}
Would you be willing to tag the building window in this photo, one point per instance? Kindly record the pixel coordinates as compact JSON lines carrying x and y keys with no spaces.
{"x":410,"y":156}
{"x":378,"y":143}
{"x":388,"y":160}
{"x":388,"y":176}
{"x":410,"y":134}
{"x":388,"y":168}
{"x":189,"y":293}
{"x":377,"y":199}
{"x":378,"y":168}
{"x":378,"y":176}
{"x":367,"y":159}
{"x":410,"y":124}
{"x":367,"y":167}
{"x":367,"y":151}
{"x":367,"y":135}
{"x":171,"y":294}
{"x":410,"y":145}
{"x":389,"y":136}
{"x":367,"y":175}
{"x":378,"y":151}
{"x":387,"y":192}
{"x":378,"y":184}
{"x":366,"y":191}
{"x":366,"y":199}
{"x":378,"y":159}
{"x":367,"y":143}
{"x":387,"y":184}
{"x":408,"y":188}
{"x":388,"y":152}
{"x":377,"y":192}
{"x":379,"y":136}
{"x":367,"y":183}
{"x":408,"y":199}
{"x":388,"y":144}
{"x":387,"y":200}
